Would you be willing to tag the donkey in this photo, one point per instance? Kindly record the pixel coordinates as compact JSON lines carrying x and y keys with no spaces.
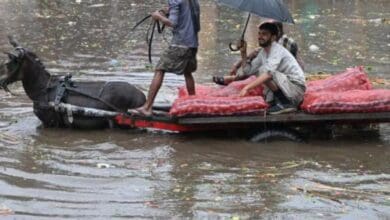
{"x":43,"y":88}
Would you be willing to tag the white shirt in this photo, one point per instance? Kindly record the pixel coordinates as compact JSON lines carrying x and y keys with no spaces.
{"x":279,"y":59}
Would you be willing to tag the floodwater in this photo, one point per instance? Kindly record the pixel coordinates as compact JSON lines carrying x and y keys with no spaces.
{"x":121,"y":174}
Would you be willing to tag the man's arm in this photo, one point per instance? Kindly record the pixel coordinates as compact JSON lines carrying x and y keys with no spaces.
{"x":273,"y":61}
{"x":264,"y":77}
{"x":173,"y":10}
{"x":238,"y":64}
{"x":250,"y":67}
{"x":160,"y":16}
{"x":243,"y":46}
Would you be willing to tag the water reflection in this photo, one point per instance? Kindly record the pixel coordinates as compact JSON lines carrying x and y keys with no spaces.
{"x":50,"y":173}
{"x":153,"y":175}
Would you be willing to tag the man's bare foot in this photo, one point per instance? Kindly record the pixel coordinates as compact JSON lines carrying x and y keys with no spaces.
{"x":220,"y":80}
{"x":223,"y":80}
{"x":140,"y":112}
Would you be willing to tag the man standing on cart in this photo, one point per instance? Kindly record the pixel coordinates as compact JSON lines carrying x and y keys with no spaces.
{"x":180,"y":57}
{"x":277,"y":70}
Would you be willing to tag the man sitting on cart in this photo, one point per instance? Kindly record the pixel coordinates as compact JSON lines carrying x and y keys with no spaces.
{"x":282,"y":39}
{"x":276,"y":69}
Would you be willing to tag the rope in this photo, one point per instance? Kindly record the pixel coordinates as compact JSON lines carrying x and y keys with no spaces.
{"x":149,"y":40}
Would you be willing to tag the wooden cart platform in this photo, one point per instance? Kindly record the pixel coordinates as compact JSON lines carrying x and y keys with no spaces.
{"x":284,"y":125}
{"x":186,"y":124}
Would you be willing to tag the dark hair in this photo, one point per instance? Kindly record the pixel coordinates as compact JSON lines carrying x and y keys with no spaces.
{"x":271,"y":27}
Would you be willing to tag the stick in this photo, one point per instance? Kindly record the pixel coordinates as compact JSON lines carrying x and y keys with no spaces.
{"x":85,"y":111}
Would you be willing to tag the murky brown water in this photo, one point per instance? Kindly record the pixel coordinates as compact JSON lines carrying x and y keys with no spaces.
{"x":57,"y":173}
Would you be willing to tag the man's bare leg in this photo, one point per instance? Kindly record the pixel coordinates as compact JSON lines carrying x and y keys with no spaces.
{"x":272,"y":85}
{"x":230,"y":79}
{"x":158,"y":78}
{"x":190,"y":83}
{"x":277,"y":92}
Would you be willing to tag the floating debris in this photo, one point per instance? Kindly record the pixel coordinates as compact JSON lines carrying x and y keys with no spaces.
{"x":336,"y":193}
{"x":103,"y":165}
{"x":319,"y":194}
{"x":314,"y":48}
{"x":4,"y":211}
{"x":380,"y":82}
{"x":151,"y":204}
{"x":290,"y":165}
{"x":3,"y":124}
{"x":9,"y":139}
{"x":96,"y":6}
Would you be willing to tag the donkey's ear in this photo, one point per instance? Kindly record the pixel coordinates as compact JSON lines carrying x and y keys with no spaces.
{"x":12,"y":41}
{"x":11,"y":56}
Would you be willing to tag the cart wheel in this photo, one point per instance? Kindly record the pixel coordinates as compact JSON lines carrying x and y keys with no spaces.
{"x":277,"y":133}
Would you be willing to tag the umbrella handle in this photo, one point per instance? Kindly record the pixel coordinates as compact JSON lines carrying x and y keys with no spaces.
{"x":237,"y":47}
{"x":234,"y":47}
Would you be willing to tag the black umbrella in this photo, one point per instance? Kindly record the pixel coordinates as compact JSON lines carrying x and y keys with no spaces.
{"x":274,"y":9}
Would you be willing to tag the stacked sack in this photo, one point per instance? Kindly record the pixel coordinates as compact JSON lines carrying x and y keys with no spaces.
{"x":218,"y":106}
{"x":347,"y":92}
{"x":212,"y":101}
{"x":231,"y":90}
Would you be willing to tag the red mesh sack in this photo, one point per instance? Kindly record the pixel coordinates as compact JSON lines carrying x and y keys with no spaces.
{"x":353,"y":101}
{"x":352,"y":78}
{"x":200,"y":90}
{"x":233,"y":89}
{"x":194,"y":105}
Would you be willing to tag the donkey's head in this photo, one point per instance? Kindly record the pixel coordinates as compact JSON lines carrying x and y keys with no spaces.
{"x":20,"y":61}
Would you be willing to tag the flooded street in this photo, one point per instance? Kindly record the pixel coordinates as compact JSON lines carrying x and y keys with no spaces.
{"x":121,"y":174}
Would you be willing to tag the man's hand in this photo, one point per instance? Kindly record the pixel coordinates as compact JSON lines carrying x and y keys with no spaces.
{"x":244,"y":92}
{"x":157,"y":15}
{"x":233,"y":70}
{"x":160,"y":15}
{"x":243,"y":52}
{"x":242,"y":46}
